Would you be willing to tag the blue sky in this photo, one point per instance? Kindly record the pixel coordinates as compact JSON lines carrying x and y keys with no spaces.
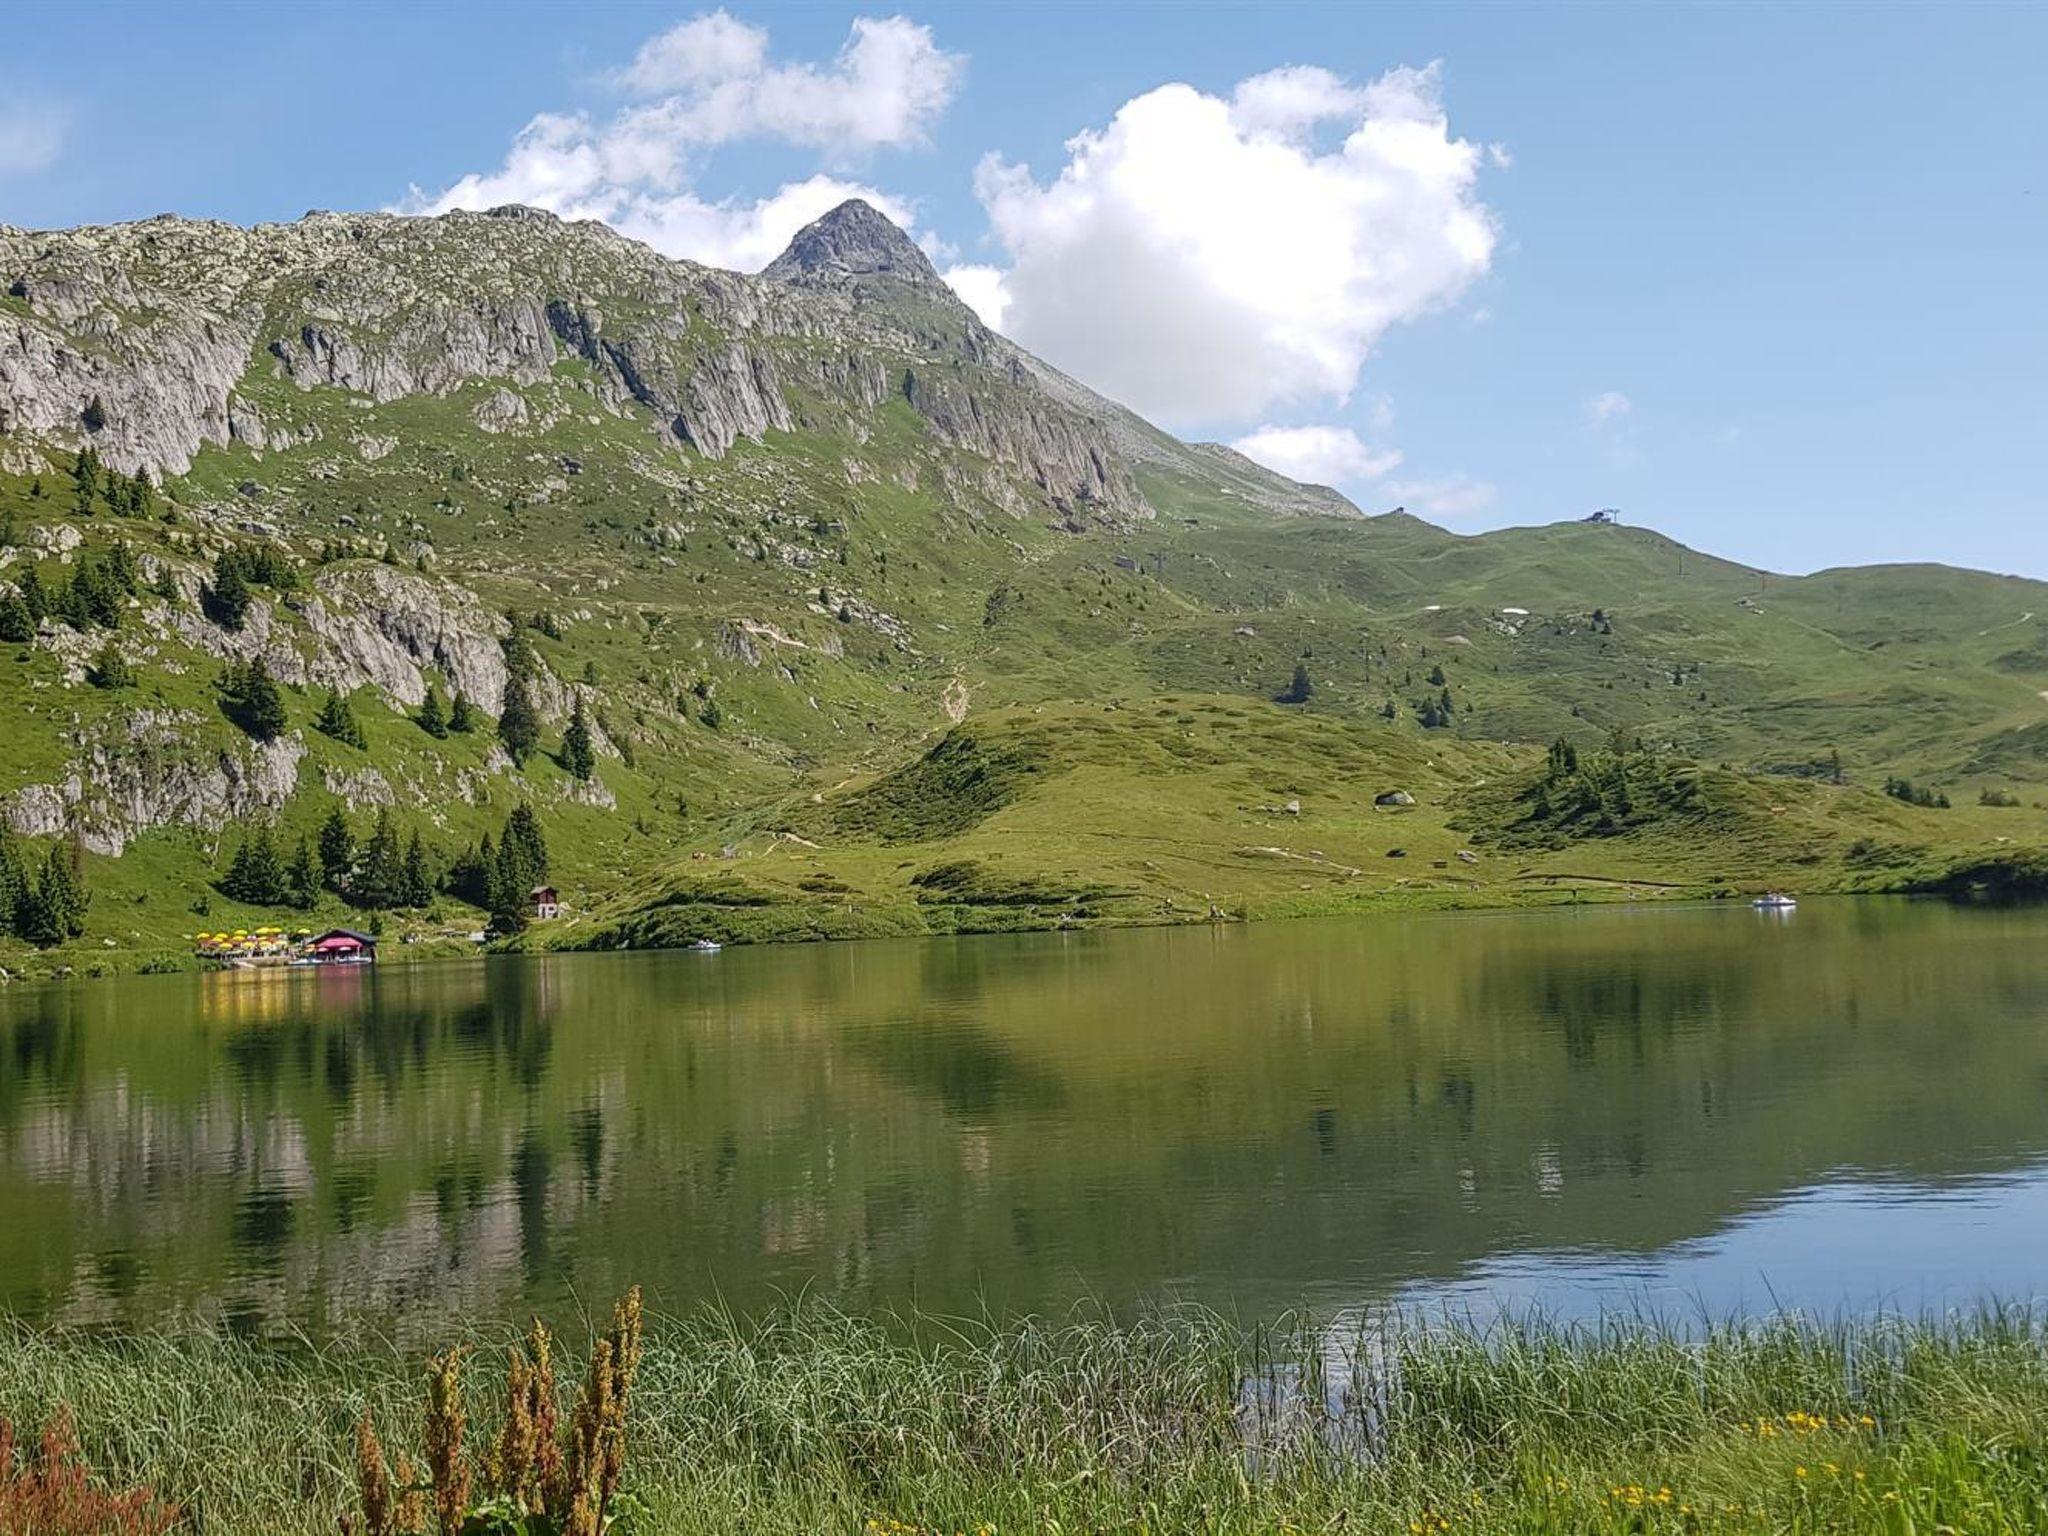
{"x":1767,"y":278}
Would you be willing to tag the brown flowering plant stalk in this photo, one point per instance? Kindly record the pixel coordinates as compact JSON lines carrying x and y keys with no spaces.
{"x":51,"y":1492}
{"x":537,"y":1478}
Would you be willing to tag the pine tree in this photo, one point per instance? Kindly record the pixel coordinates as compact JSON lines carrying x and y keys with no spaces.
{"x":337,"y":851}
{"x":17,"y":624}
{"x":416,"y":887}
{"x":462,"y":716}
{"x":110,"y":669}
{"x":13,"y":883}
{"x":123,"y":567}
{"x":254,"y":875}
{"x":302,"y":878}
{"x":529,"y":844}
{"x":432,"y":718}
{"x":227,"y":595}
{"x":249,"y":696}
{"x":1436,"y":676}
{"x":518,"y":723}
{"x":521,"y":663}
{"x":577,"y":755}
{"x":469,"y":877}
{"x":55,"y":908}
{"x":96,"y":595}
{"x":336,"y":719}
{"x":34,"y":597}
{"x":85,"y":476}
{"x":380,"y":873}
{"x":509,"y":890}
{"x":1301,"y":688}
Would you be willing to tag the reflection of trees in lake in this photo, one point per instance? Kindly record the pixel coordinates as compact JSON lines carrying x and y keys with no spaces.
{"x":1309,"y":1103}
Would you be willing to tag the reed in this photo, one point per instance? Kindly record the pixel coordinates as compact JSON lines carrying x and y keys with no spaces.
{"x":808,"y":1419}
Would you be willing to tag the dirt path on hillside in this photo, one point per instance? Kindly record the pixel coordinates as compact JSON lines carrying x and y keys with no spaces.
{"x":954,"y":700}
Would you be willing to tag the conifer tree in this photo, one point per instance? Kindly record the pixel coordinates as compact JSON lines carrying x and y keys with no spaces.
{"x":14,"y":883}
{"x":55,"y":908}
{"x":302,"y":877}
{"x":249,"y":696}
{"x":254,"y":875}
{"x":462,"y":715}
{"x":518,"y":723}
{"x":416,"y":888}
{"x":337,"y":851}
{"x":433,"y":719}
{"x":17,"y":625}
{"x":380,"y":873}
{"x":336,"y":719}
{"x":227,"y":595}
{"x":110,"y":669}
{"x":34,"y":596}
{"x":577,"y":755}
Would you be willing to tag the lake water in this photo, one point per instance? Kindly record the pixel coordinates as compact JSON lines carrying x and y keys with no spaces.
{"x":1686,"y":1109}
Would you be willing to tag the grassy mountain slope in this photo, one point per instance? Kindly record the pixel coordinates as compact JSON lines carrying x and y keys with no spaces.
{"x":881,"y":625}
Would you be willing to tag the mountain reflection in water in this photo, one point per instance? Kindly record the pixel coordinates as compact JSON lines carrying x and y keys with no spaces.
{"x":1579,"y":1109}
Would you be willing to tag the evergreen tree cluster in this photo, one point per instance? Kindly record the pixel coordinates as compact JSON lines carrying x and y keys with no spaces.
{"x":384,"y":871}
{"x":1916,"y":794}
{"x":500,"y":876}
{"x":43,"y":901}
{"x":236,"y":570}
{"x":250,"y":697}
{"x":93,"y":484}
{"x":92,"y":595}
{"x":262,"y":877}
{"x":1602,"y":792}
{"x":338,"y":720}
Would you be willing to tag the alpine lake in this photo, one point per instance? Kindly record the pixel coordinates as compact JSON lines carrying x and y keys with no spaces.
{"x":1685,"y":1111}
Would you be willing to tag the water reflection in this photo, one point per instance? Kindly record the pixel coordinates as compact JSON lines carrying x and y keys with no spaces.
{"x":1527,"y":1106}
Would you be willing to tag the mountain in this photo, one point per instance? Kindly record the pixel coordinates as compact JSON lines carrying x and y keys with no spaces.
{"x":849,"y":589}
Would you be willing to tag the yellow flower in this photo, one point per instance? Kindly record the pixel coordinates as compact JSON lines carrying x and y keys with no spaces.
{"x":1799,"y":1471}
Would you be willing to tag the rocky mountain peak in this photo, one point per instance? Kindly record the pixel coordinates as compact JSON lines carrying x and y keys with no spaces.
{"x":852,"y":242}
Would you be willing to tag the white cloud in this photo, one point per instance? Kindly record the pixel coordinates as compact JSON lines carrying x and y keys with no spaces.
{"x":705,"y":83}
{"x":696,"y":53}
{"x":1608,"y":405}
{"x":715,"y":83}
{"x":981,"y":289}
{"x":31,"y":137}
{"x":1448,"y":499}
{"x":1291,"y":101}
{"x":1202,"y":259}
{"x":1318,"y":455}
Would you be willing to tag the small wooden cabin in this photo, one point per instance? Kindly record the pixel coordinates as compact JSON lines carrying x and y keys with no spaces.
{"x":546,"y":903}
{"x":342,"y":946}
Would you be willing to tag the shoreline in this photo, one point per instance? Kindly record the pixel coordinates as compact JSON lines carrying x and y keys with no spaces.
{"x":795,"y":924}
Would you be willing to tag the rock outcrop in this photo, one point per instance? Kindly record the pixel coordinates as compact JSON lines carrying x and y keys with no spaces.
{"x":153,"y":341}
{"x":142,"y":770}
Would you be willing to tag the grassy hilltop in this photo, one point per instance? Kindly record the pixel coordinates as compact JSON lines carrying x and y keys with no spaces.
{"x":877,"y":624}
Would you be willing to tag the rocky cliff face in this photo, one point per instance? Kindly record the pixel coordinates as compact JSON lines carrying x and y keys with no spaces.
{"x":151,"y":341}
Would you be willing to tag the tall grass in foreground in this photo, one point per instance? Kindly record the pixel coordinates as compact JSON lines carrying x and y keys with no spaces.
{"x":811,"y":1420}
